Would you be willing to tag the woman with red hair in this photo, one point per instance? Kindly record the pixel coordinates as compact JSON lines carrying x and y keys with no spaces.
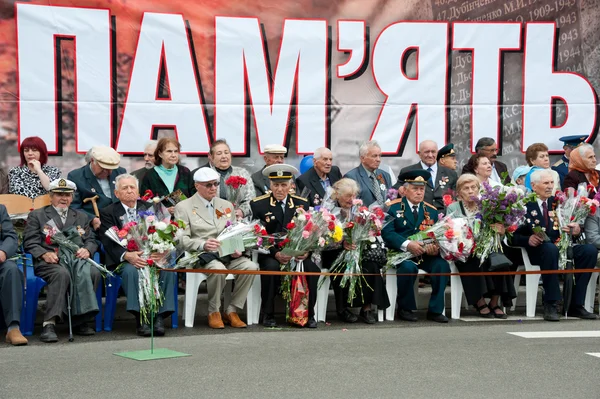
{"x":33,"y":176}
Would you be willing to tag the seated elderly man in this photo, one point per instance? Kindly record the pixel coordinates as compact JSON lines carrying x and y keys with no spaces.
{"x":11,"y":282}
{"x":411,"y":215}
{"x":96,"y":179}
{"x":118,"y":214}
{"x":275,"y":210}
{"x":206,"y":216}
{"x":74,"y":277}
{"x":545,"y":253}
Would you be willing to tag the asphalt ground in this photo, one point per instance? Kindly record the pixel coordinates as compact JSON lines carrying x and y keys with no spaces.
{"x":468,"y":358}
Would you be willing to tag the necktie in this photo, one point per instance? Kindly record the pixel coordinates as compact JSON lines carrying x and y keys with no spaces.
{"x":131,"y":214}
{"x":545,"y":213}
{"x":431,"y":178}
{"x":63,"y":215}
{"x":415,"y":212}
{"x":278,"y":211}
{"x":377,"y":190}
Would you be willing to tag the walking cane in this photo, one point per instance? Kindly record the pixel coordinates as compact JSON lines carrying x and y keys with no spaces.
{"x":69,"y":316}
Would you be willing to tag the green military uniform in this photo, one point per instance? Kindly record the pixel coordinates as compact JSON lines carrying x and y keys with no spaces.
{"x":395,"y":234}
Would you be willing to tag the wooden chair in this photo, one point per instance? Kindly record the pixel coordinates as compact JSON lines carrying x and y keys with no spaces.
{"x":41,"y":201}
{"x":16,"y":204}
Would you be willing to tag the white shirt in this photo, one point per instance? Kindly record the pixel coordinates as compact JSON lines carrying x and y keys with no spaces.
{"x":495,"y":176}
{"x":433,"y":172}
{"x":62,"y":213}
{"x":404,"y":245}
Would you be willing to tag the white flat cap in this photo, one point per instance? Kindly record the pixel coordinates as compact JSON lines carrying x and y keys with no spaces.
{"x":62,"y":186}
{"x":275,"y":149}
{"x":206,"y":174}
{"x":106,"y":157}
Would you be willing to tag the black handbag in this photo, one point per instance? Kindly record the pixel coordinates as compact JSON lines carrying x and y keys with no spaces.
{"x":498,"y":261}
{"x":375,"y":252}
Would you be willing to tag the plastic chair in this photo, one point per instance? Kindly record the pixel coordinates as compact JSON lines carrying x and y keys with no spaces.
{"x":590,"y":295}
{"x":41,"y":201}
{"x":110,"y":305}
{"x":16,"y":204}
{"x":457,"y":293}
{"x":32,"y":294}
{"x":322,"y":296}
{"x":193,"y":281}
{"x":531,"y":284}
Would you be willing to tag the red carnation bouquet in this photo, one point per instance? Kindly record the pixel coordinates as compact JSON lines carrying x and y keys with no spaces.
{"x":234,"y":194}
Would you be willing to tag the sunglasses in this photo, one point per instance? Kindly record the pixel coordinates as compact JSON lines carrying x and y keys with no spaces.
{"x":209,"y":185}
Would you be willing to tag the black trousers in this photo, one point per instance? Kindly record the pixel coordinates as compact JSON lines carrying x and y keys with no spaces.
{"x":270,"y":284}
{"x":373,"y":290}
{"x":11,"y":292}
{"x":546,"y":256}
{"x":485,"y":286}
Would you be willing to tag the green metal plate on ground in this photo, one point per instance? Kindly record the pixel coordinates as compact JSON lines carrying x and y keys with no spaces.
{"x":159,"y":353}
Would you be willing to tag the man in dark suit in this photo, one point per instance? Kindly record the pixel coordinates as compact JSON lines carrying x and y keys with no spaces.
{"x":148,"y":160}
{"x":374,"y":183}
{"x":441,"y":179}
{"x":542,"y":213}
{"x":118,"y":214}
{"x":320,"y":177}
{"x":96,"y":178}
{"x":11,"y":282}
{"x":274,"y":154}
{"x":411,"y":215}
{"x":275,"y":210}
{"x":487,"y":146}
{"x":46,"y":261}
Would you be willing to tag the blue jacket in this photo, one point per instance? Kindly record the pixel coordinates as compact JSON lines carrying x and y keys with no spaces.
{"x":367,"y":195}
{"x":534,"y":217}
{"x":88,"y":186}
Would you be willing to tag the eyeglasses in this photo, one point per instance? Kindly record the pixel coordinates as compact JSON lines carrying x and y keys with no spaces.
{"x":209,"y":185}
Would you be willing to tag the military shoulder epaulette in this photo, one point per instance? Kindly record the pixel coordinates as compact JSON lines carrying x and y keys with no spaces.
{"x":298,"y":197}
{"x":429,"y":205}
{"x":396,"y":201}
{"x":261,"y":197}
{"x":558,"y":163}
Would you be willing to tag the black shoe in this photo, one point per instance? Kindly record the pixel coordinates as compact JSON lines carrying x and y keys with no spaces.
{"x":83,"y":329}
{"x":269,"y":321}
{"x":312,"y":323}
{"x":407,"y":315}
{"x":550,"y":312}
{"x":347,"y":316}
{"x":581,"y":312}
{"x":48,"y":334}
{"x":437,"y":317}
{"x":367,"y":316}
{"x":143,"y":330}
{"x":159,"y":326}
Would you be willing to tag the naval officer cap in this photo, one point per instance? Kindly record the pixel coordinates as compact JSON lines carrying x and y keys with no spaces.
{"x":106,"y":157}
{"x":205,"y":174}
{"x":62,"y":186}
{"x":446,"y":151}
{"x":279,"y":172}
{"x":417,"y":177}
{"x":574,"y":141}
{"x":275,"y":149}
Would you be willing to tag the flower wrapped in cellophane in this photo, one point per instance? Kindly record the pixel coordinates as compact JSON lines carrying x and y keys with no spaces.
{"x":571,"y":207}
{"x":234,"y":192}
{"x":69,"y":242}
{"x":157,"y":239}
{"x":458,"y":242}
{"x":434,"y":233}
{"x":362,"y":229}
{"x":500,"y":205}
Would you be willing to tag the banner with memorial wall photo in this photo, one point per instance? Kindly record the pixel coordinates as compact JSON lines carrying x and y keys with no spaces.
{"x":303,"y":73}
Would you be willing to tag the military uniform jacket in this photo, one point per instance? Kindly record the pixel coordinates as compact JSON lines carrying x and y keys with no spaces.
{"x":444,"y":180}
{"x":275,"y":220}
{"x":535,"y":217}
{"x":562,"y":168}
{"x":404,"y":225}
